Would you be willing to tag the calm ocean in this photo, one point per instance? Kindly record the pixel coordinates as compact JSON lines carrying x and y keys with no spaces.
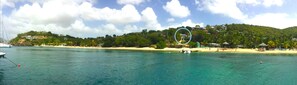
{"x":63,"y":66}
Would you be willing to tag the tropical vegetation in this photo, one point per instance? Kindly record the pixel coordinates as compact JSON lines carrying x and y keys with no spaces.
{"x":247,"y":36}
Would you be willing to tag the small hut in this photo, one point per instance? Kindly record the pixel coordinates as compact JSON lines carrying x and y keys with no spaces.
{"x":225,"y":44}
{"x":262,"y":47}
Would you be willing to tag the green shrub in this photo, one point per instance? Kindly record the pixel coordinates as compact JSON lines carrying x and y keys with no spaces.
{"x":161,"y":45}
{"x":192,"y":44}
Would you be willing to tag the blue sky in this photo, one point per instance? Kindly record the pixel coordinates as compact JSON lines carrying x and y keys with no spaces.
{"x":92,"y":18}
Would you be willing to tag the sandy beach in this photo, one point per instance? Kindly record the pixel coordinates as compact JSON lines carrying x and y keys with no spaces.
{"x":228,"y":50}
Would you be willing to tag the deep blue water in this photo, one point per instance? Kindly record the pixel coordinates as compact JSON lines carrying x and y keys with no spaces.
{"x":63,"y":66}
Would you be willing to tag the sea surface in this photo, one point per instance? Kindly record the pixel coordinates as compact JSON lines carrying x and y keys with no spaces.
{"x":65,"y":66}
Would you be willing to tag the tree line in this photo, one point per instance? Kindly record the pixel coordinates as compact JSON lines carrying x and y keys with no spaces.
{"x":247,"y":36}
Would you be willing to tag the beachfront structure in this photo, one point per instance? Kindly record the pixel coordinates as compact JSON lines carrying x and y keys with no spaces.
{"x":225,"y":44}
{"x":214,"y":45}
{"x":262,"y":47}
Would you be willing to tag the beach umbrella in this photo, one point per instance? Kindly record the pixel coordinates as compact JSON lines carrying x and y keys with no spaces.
{"x":225,"y":43}
{"x":262,"y":45}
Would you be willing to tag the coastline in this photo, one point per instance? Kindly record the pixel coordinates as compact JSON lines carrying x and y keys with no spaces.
{"x":218,"y":50}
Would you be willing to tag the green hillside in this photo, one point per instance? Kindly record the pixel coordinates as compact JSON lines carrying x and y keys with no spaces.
{"x":248,"y":36}
{"x":47,"y":38}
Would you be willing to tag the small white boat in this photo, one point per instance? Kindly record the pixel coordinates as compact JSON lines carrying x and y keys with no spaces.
{"x":3,"y":45}
{"x":2,"y":55}
{"x":186,"y":51}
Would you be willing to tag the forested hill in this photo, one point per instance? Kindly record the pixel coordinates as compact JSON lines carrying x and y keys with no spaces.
{"x":248,"y":36}
{"x":291,"y":31}
{"x":47,"y":38}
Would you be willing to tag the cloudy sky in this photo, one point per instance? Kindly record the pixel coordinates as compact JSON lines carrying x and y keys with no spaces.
{"x":92,"y":18}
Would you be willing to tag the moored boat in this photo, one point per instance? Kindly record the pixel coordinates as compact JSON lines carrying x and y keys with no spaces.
{"x":186,"y":51}
{"x":2,"y":55}
{"x":3,"y":45}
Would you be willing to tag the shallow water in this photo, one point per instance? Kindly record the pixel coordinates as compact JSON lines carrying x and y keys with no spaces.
{"x":62,"y":66}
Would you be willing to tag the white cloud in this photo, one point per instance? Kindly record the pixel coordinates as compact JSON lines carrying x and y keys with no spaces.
{"x":11,"y":3}
{"x":65,"y":12}
{"x":150,"y":18}
{"x":191,"y":24}
{"x":88,"y":12}
{"x":55,"y":12}
{"x":197,"y":2}
{"x":135,"y":2}
{"x":8,"y":3}
{"x":230,"y":8}
{"x":250,"y":2}
{"x":46,"y":1}
{"x":69,"y":17}
{"x":278,"y":20}
{"x":55,"y":16}
{"x":188,"y":22}
{"x":131,"y":28}
{"x":148,"y":15}
{"x":128,"y":14}
{"x":109,"y":29}
{"x":226,"y":7}
{"x":269,"y":3}
{"x":77,"y":28}
{"x":174,"y":8}
{"x":170,"y":20}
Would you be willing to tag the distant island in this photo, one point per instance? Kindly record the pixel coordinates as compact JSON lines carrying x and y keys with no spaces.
{"x":236,"y":35}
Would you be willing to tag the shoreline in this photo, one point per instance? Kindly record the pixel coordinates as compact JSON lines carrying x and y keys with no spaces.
{"x":217,"y":50}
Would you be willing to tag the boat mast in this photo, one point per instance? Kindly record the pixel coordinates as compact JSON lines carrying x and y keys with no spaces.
{"x":3,"y":35}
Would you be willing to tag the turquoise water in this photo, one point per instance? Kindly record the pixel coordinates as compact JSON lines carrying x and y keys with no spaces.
{"x":62,"y":66}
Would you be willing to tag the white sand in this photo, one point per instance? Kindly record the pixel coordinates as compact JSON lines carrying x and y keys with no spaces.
{"x":229,"y":50}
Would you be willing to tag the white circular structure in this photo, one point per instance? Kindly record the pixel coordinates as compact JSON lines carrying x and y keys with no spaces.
{"x":183,"y":29}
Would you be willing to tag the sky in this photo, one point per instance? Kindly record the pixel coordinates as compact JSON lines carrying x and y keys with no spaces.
{"x":93,"y":18}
